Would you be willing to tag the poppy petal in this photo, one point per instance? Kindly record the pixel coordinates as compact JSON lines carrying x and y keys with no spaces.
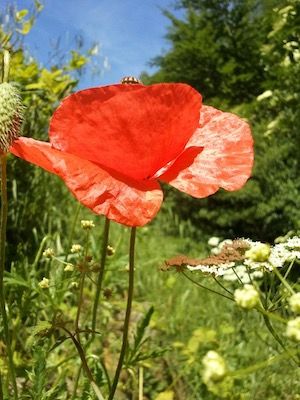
{"x":130,"y":203}
{"x":226,"y":160}
{"x":137,"y":129}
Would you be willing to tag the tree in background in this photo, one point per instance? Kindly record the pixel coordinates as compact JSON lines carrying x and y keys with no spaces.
{"x":244,"y":54}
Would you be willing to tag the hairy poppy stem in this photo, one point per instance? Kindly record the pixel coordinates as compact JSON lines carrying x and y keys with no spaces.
{"x":127,"y":315}
{"x":3,"y":223}
{"x":101,"y":273}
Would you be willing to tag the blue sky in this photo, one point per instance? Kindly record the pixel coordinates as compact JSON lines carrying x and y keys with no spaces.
{"x":129,"y":32}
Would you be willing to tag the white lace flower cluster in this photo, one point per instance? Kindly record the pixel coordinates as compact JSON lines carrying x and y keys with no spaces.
{"x":258,"y":258}
{"x":280,"y":254}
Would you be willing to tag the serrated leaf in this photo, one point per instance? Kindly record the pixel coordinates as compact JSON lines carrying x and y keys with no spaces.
{"x":142,"y":327}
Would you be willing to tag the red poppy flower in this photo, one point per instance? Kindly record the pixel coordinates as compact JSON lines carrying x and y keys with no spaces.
{"x":112,"y":145}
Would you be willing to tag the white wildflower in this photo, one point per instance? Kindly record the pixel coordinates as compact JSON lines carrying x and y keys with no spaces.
{"x":214,"y":367}
{"x":293,"y":329}
{"x":213,"y":241}
{"x":216,"y":270}
{"x":226,"y":241}
{"x":294,"y":302}
{"x":69,"y":268}
{"x":110,"y":250}
{"x":247,"y":297}
{"x":44,"y":283}
{"x":87,"y":224}
{"x":293,"y":243}
{"x":76,"y":248}
{"x":48,"y":253}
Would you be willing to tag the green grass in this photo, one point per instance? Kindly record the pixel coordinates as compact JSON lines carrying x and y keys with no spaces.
{"x":187,"y":322}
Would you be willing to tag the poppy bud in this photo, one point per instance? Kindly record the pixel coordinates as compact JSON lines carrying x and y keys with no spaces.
{"x":11,"y":115}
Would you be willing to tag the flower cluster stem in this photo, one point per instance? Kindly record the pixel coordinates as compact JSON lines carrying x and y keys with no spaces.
{"x":101,"y":272}
{"x":3,"y":222}
{"x":263,"y":364}
{"x":127,"y":315}
{"x":205,"y":287}
{"x":72,"y":230}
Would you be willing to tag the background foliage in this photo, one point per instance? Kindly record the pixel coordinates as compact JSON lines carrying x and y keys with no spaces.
{"x":244,"y":56}
{"x":233,"y":52}
{"x":39,"y":202}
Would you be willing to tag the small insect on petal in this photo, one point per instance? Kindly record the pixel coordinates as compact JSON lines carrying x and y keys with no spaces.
{"x":130,"y":80}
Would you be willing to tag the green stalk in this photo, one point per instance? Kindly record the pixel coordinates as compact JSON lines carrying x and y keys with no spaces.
{"x":72,"y":230}
{"x":205,"y":287}
{"x":282,"y":280}
{"x":101,"y":273}
{"x":263,"y":364}
{"x":127,"y":315}
{"x":84,"y":363}
{"x":3,"y":223}
{"x":81,"y":286}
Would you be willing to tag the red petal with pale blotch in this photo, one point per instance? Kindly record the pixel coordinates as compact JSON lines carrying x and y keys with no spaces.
{"x":132,"y":129}
{"x":226,"y":160}
{"x":130,"y":203}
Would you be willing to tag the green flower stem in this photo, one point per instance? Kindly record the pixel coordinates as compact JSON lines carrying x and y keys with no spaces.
{"x":282,"y":280}
{"x":39,"y":252}
{"x":205,"y":287}
{"x":262,"y":364}
{"x":3,"y":222}
{"x":101,"y":273}
{"x":72,"y":231}
{"x":127,"y":315}
{"x":84,"y":363}
{"x":278,"y":339}
{"x":81,"y":286}
{"x":270,"y":315}
{"x":222,"y":286}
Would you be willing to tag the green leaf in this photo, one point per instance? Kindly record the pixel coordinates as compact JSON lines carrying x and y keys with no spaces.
{"x":16,"y":281}
{"x":21,"y":14}
{"x":26,"y":27}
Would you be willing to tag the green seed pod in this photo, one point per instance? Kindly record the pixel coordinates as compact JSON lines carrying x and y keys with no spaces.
{"x":11,"y":115}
